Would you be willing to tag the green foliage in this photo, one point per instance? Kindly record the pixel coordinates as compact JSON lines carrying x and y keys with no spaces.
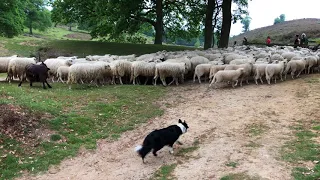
{"x":280,"y":19}
{"x":246,"y":23}
{"x":37,"y":16}
{"x":11,"y":17}
{"x":197,"y":44}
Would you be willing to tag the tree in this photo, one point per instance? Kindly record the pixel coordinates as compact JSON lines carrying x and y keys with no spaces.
{"x":113,"y":18}
{"x":37,"y":16}
{"x":228,"y":18}
{"x":246,"y":23}
{"x":11,"y":18}
{"x":280,"y":19}
{"x":208,"y":24}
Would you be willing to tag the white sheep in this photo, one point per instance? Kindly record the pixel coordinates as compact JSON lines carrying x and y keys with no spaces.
{"x":141,"y":68}
{"x":230,"y":57}
{"x":198,"y":60}
{"x":259,"y":71}
{"x":214,"y":69}
{"x":295,"y":66}
{"x":227,"y":76}
{"x":170,"y":69}
{"x":122,"y":69}
{"x":273,"y":70}
{"x":200,"y":70}
{"x":89,"y":72}
{"x":62,"y":73}
{"x":4,"y":64}
{"x":16,"y":67}
{"x":54,"y":64}
{"x":311,"y":61}
{"x":289,"y":55}
{"x":242,"y":61}
{"x":247,"y":70}
{"x":277,"y":57}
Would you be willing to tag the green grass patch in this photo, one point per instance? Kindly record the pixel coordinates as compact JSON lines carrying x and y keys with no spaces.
{"x":256,"y":129}
{"x":303,"y":148}
{"x":184,"y":151}
{"x":232,"y":164}
{"x":239,"y":176}
{"x":164,"y":173}
{"x":81,"y":116}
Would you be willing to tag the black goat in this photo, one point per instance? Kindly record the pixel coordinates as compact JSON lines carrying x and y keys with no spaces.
{"x":36,"y":73}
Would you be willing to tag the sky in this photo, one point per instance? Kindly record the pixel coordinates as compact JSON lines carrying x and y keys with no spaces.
{"x":263,"y":12}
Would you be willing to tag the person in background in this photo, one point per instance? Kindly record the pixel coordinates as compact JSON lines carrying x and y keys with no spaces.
{"x":304,"y":40}
{"x":268,"y":41}
{"x":296,"y":41}
{"x":245,"y":41}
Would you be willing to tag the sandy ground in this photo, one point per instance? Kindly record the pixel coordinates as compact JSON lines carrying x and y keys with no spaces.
{"x":221,"y":119}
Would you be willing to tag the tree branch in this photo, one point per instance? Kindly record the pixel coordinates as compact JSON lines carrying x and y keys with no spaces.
{"x":143,"y":19}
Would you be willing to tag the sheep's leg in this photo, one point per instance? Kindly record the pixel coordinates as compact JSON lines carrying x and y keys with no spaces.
{"x":43,"y":85}
{"x":147,"y":78}
{"x":255,"y":80}
{"x":194,"y":77}
{"x":199,"y":78}
{"x":120,"y":80}
{"x":292,"y":75}
{"x":134,"y":80}
{"x":232,"y":84}
{"x":281,"y":77}
{"x":236,"y":82}
{"x":241,"y":82}
{"x":177,"y":83}
{"x":275,"y":79}
{"x":47,"y":84}
{"x":171,"y":82}
{"x":261,"y":80}
{"x":163,"y":80}
{"x":247,"y":80}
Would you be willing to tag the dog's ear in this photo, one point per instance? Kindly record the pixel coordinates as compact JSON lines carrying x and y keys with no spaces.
{"x":180,"y":121}
{"x":185,"y":122}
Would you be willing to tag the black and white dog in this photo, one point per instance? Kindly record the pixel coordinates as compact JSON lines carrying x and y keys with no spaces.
{"x":159,"y":138}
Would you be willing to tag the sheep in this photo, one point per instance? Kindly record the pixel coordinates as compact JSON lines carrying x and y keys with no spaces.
{"x":228,"y":75}
{"x":36,"y":73}
{"x":212,"y":57}
{"x":295,"y":66}
{"x":247,"y":70}
{"x":88,"y":72}
{"x":241,"y":61}
{"x":169,"y":69}
{"x":275,"y":69}
{"x":54,"y":64}
{"x":16,"y":67}
{"x":230,"y":57}
{"x":310,"y":62}
{"x":259,"y":72}
{"x":95,"y":57}
{"x":277,"y":57}
{"x":122,"y":68}
{"x":288,"y":55}
{"x":200,"y":70}
{"x":214,"y":69}
{"x":183,"y":59}
{"x":198,"y":60}
{"x":62,"y":73}
{"x":141,"y":68}
{"x":4,"y":64}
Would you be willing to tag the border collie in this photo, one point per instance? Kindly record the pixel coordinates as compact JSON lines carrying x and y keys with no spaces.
{"x":159,"y":138}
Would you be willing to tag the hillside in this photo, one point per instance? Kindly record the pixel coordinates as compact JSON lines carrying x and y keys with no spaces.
{"x":282,"y":33}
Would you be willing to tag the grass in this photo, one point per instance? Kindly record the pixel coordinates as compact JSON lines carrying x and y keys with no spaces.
{"x":232,"y":164}
{"x":164,"y":172}
{"x":81,"y":116}
{"x":256,"y":129}
{"x":239,"y":176}
{"x":302,"y":149}
{"x":184,"y":151}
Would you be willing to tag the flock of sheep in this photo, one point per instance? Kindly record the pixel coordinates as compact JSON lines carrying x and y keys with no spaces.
{"x":231,"y":65}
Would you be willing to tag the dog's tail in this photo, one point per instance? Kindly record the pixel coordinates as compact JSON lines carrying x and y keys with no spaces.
{"x":142,"y":150}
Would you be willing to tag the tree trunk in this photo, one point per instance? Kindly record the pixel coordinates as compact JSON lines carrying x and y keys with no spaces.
{"x":215,"y":19}
{"x":70,"y":27}
{"x":208,"y":24}
{"x":159,"y":23}
{"x":226,"y":23}
{"x":30,"y":28}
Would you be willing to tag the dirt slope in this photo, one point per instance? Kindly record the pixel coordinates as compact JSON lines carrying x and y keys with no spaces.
{"x":246,"y":125}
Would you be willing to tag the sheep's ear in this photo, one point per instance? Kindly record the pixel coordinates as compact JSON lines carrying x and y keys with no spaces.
{"x":179,"y":121}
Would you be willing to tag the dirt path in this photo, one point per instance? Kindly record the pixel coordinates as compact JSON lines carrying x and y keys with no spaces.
{"x":244,"y":125}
